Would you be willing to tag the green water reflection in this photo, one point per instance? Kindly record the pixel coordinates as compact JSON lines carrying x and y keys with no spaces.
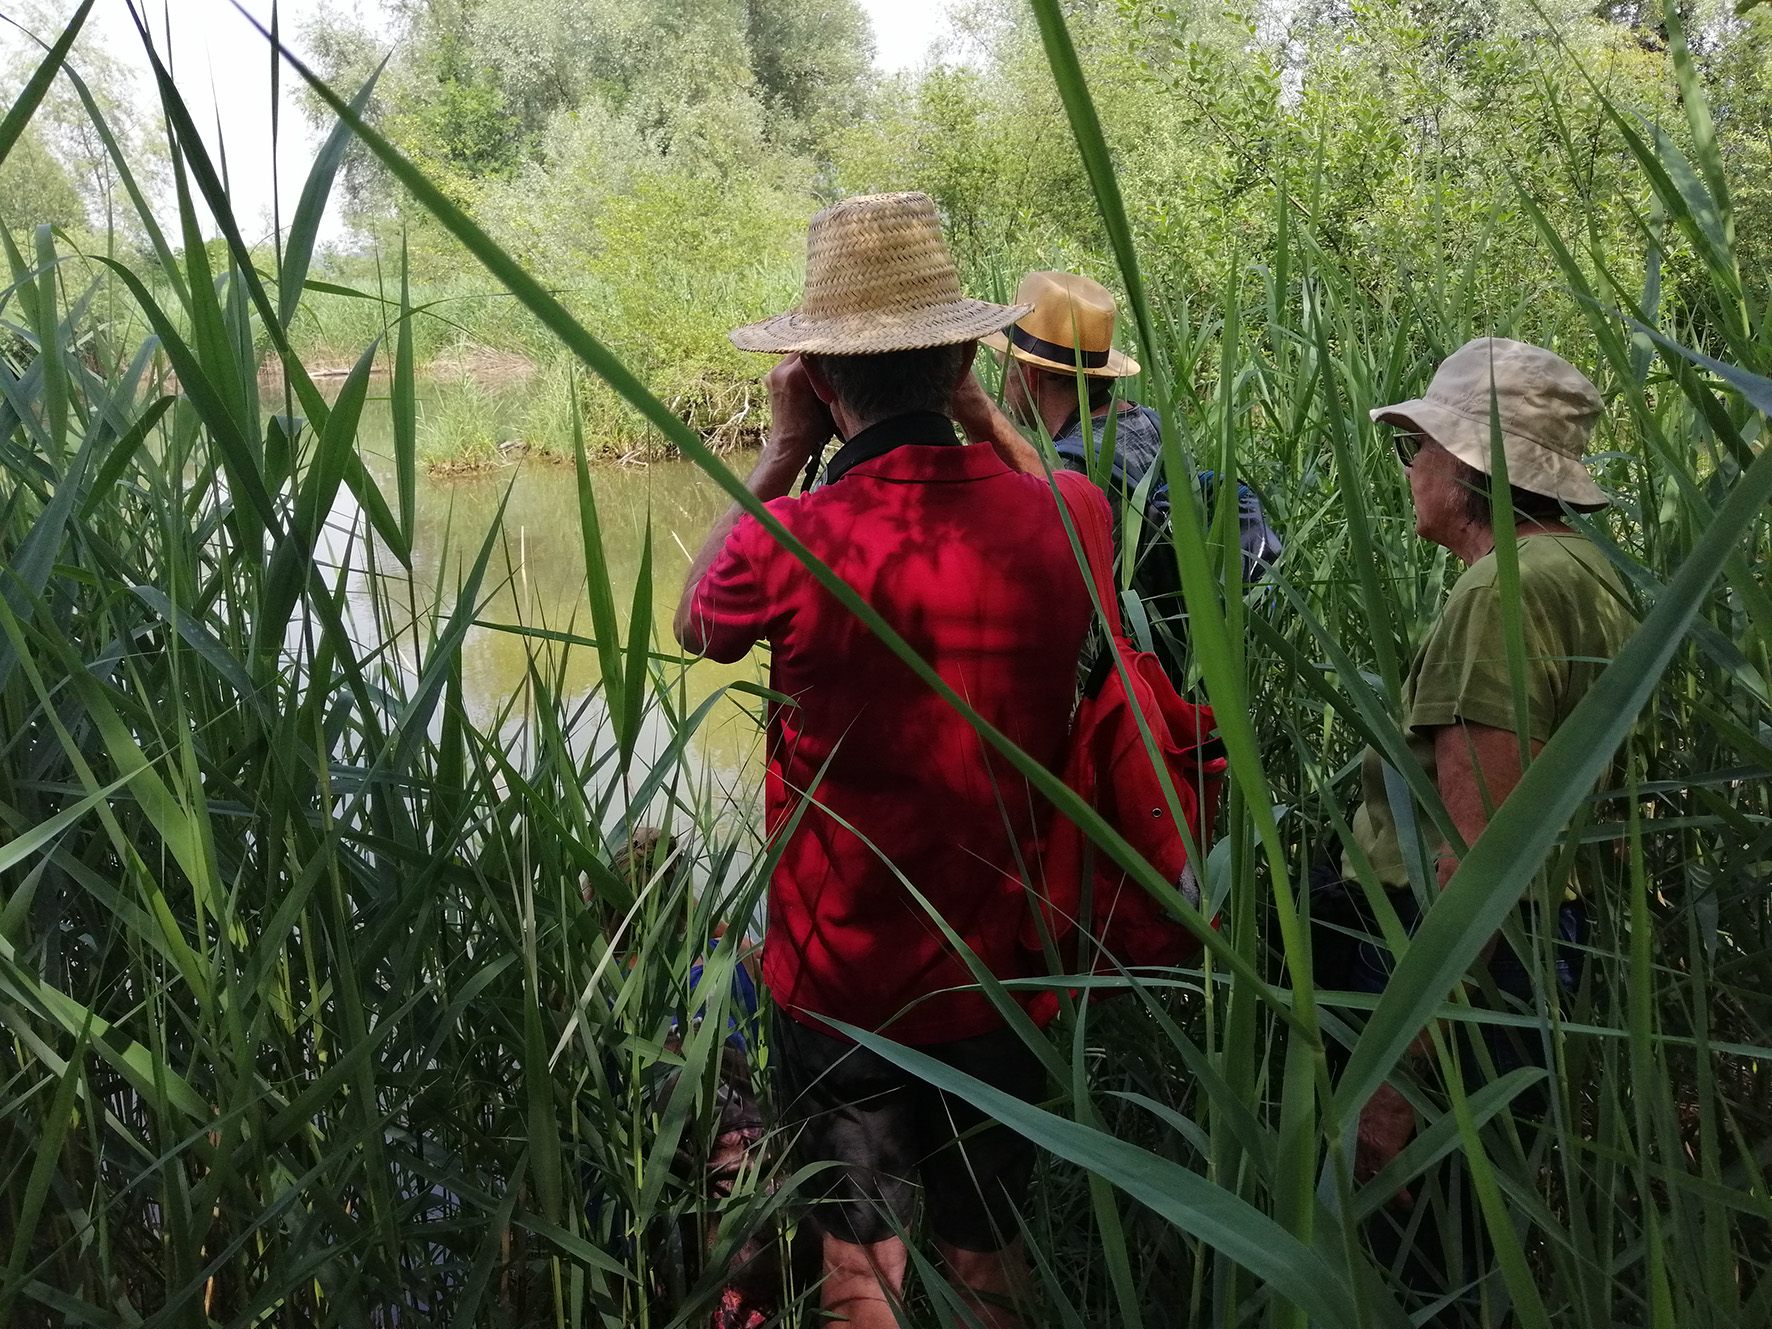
{"x":536,"y":578}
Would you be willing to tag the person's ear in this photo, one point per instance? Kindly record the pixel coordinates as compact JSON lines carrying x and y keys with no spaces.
{"x":821,"y":386}
{"x":966,"y":358}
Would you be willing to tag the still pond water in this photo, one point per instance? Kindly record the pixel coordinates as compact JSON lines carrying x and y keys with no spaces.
{"x":536,"y":578}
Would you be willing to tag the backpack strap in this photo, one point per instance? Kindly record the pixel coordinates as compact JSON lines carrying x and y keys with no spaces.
{"x":1088,"y":512}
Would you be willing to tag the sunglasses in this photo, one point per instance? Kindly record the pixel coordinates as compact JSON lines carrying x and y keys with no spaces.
{"x":1408,"y":445}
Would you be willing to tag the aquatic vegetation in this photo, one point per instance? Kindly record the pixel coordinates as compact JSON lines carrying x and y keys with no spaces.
{"x":325,"y":999}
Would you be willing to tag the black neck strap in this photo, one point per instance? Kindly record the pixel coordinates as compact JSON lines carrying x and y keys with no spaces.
{"x":920,"y":428}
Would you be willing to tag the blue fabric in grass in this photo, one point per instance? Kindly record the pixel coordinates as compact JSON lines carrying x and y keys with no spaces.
{"x":602,"y":1206}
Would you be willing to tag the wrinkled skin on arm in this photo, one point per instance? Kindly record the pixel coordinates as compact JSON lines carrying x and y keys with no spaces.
{"x":1477,"y":767}
{"x":981,"y":421}
{"x":800,"y":424}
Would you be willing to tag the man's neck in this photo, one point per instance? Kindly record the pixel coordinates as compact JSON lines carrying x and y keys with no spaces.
{"x":1058,"y":408}
{"x":1054,"y":411}
{"x":851,"y":425}
{"x":848,"y":425}
{"x":1477,"y":541}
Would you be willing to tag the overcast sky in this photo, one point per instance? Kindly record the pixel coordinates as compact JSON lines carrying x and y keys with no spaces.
{"x":903,"y":29}
{"x":223,"y":69}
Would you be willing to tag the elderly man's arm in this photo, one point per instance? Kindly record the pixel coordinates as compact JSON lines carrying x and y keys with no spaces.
{"x":799,"y":426}
{"x":983,"y":422}
{"x":1476,"y":767}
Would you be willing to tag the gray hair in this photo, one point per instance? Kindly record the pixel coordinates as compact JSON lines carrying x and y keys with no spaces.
{"x":1478,"y":503}
{"x":873,"y":387}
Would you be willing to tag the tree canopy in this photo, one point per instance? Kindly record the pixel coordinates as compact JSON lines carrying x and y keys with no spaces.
{"x":477,"y":91}
{"x":60,"y":170}
{"x":36,"y":188}
{"x":660,"y":161}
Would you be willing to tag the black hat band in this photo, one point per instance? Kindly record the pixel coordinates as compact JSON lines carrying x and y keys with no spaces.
{"x":1051,"y":350}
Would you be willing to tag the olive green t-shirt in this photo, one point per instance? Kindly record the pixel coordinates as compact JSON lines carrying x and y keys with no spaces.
{"x":1573,"y":616}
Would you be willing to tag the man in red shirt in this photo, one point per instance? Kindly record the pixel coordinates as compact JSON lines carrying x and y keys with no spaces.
{"x":882,"y":790}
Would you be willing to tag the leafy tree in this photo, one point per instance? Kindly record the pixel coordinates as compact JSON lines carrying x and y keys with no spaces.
{"x":811,"y":60}
{"x":64,"y":128}
{"x":659,"y":161}
{"x":519,"y":63}
{"x":36,"y":188}
{"x":1741,"y":100}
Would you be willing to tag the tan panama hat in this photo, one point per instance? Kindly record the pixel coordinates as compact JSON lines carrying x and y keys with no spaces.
{"x":878,"y":278}
{"x":1546,"y":408}
{"x":1071,"y":324}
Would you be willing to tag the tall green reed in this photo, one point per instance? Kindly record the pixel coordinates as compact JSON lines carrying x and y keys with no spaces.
{"x":305,"y":1020}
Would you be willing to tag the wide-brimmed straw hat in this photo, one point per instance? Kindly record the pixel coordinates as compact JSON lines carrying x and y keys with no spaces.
{"x":1070,"y":326}
{"x":878,"y":278}
{"x":1545,"y":406}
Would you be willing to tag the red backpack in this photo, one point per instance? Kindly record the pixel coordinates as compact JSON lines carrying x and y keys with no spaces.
{"x":1100,"y":920}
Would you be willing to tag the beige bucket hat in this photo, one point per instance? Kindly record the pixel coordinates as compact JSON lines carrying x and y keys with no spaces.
{"x":1071,"y":324}
{"x":878,"y":278}
{"x":1546,"y":407}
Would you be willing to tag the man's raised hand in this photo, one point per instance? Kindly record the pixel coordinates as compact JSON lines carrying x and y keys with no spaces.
{"x":981,"y":422}
{"x":799,"y":423}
